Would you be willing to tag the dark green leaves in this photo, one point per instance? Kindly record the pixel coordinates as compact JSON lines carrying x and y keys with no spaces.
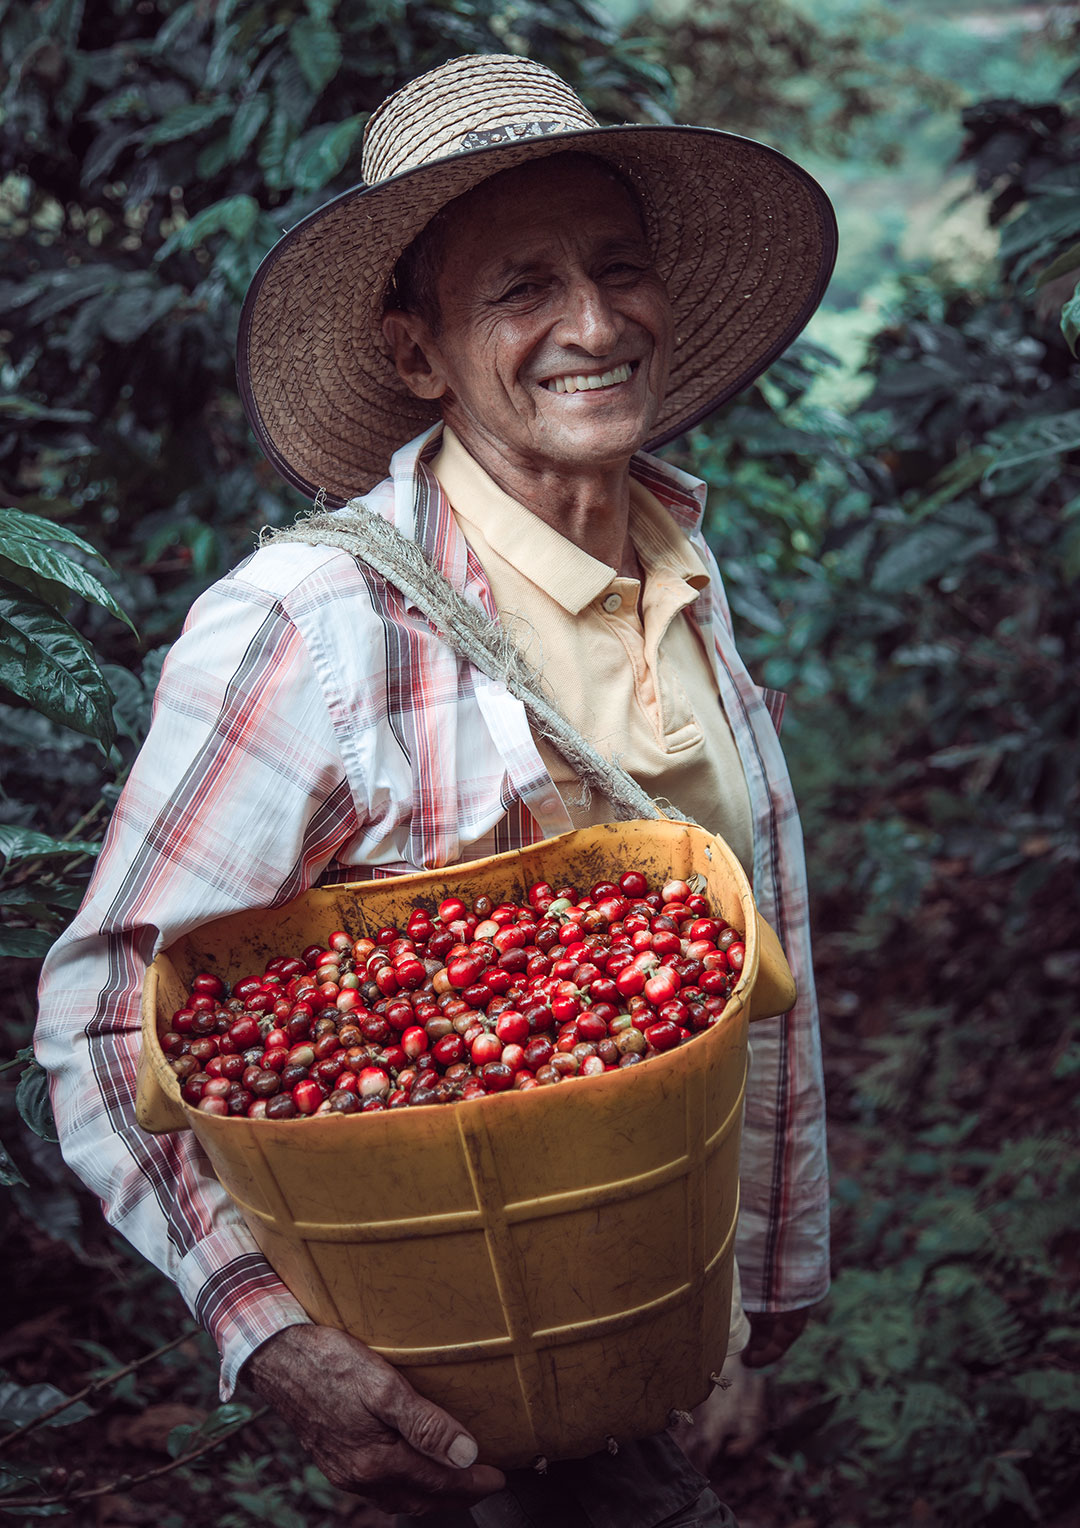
{"x":9,"y":1171}
{"x":25,"y":943}
{"x":184,"y":122}
{"x":934,"y":547}
{"x":317,"y":49}
{"x":20,"y":1404}
{"x":232,"y":1416}
{"x":43,"y":659}
{"x":235,"y":215}
{"x":18,"y":844}
{"x":45,"y":662}
{"x":1070,"y":320}
{"x":25,"y":542}
{"x":32,"y":1101}
{"x":315,"y":159}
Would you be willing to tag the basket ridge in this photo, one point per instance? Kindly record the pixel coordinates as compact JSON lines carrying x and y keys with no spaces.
{"x":508,"y":1274}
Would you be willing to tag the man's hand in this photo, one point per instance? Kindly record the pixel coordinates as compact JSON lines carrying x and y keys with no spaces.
{"x":365,"y":1426}
{"x":771,"y":1336}
{"x":729,"y":1423}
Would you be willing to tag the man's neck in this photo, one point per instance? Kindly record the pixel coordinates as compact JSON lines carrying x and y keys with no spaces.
{"x":589,"y":506}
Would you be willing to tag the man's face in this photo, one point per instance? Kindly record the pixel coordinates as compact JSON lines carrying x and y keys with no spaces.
{"x":556,"y":330}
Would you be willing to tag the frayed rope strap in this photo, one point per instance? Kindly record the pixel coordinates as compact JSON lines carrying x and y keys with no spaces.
{"x":472,"y":634}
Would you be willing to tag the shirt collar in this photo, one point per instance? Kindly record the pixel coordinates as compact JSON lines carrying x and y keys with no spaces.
{"x":681,"y":494}
{"x":554,"y":563}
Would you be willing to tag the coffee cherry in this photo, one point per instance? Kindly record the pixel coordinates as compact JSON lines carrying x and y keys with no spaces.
{"x":502,"y":996}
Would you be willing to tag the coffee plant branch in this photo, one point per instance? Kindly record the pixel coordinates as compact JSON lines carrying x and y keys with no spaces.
{"x":97,"y":1384}
{"x":125,"y":1482}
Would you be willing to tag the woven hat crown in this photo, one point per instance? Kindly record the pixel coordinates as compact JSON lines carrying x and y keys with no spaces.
{"x":468,"y":103}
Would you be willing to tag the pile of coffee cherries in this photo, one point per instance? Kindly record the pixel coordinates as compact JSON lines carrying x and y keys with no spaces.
{"x":465,"y":1001}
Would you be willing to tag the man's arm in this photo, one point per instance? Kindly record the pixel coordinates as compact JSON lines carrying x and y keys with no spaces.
{"x":237,"y":800}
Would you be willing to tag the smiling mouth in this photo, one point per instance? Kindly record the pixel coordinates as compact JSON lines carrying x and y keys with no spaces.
{"x":593,"y":382}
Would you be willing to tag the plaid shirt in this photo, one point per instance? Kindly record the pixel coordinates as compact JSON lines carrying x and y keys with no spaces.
{"x":310,"y":726}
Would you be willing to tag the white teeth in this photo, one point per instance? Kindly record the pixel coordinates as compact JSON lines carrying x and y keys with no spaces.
{"x":582,"y":383}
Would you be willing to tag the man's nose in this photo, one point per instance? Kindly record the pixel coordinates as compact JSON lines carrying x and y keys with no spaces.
{"x":589,"y":321}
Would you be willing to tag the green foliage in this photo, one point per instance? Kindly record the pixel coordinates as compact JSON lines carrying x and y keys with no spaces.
{"x":43,"y":660}
{"x":790,"y":73}
{"x":946,"y":1354}
{"x":1070,"y":316}
{"x":20,"y":1404}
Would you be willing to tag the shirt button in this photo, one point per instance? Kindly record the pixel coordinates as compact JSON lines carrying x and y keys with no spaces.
{"x":612,"y":602}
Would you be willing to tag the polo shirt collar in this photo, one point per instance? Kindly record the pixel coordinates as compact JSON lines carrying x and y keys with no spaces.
{"x":550,"y":560}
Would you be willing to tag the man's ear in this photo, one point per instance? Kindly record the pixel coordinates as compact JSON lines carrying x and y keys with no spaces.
{"x":415,"y":354}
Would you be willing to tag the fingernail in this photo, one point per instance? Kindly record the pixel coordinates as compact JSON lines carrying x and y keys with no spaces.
{"x":462,"y":1451}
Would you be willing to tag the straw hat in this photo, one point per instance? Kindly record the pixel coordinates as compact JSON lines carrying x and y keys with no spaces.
{"x":744,"y":239}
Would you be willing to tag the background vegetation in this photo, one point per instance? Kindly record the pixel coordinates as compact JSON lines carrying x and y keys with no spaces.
{"x":902,"y":548}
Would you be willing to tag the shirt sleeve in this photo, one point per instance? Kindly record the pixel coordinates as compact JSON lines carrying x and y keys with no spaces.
{"x":238,"y":799}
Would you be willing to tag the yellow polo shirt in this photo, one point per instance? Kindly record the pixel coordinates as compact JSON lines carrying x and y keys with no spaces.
{"x":639,"y":687}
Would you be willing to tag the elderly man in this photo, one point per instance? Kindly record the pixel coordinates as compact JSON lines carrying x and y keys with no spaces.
{"x":540,"y":298}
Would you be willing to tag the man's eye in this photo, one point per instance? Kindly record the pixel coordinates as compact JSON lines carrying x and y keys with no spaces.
{"x":519,"y":290}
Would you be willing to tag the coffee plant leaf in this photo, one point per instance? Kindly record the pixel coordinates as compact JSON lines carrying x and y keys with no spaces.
{"x":24,"y":943}
{"x":1054,"y":1389}
{"x":1070,"y":320}
{"x":45,"y":662}
{"x":35,"y":528}
{"x":1037,"y":233}
{"x":181,"y":1439}
{"x":234,"y":215}
{"x":20,"y":1404}
{"x":57,"y":576}
{"x":25,"y":843}
{"x":185,"y":122}
{"x":321,"y":154}
{"x":131,"y":711}
{"x":932,"y":548}
{"x":231,"y":1414}
{"x":9,"y":1172}
{"x":32,"y":1101}
{"x":1031,"y":439}
{"x":1068,"y":261}
{"x":316,"y":47}
{"x":27,"y":411}
{"x":130,"y":313}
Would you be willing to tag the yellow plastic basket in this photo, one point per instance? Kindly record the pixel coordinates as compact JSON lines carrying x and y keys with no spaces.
{"x":554,"y":1266}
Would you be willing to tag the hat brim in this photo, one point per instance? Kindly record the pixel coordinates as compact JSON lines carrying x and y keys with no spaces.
{"x":745,"y":240}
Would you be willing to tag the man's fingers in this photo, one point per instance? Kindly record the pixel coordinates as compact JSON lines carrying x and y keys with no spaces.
{"x":393,"y":1475}
{"x":429,"y":1429}
{"x":404,"y":1470}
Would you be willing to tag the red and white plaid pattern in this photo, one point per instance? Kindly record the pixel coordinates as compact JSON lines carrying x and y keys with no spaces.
{"x":310,"y":726}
